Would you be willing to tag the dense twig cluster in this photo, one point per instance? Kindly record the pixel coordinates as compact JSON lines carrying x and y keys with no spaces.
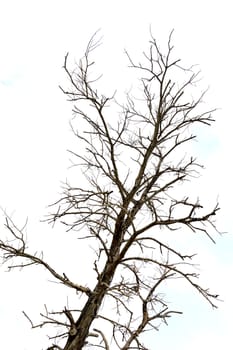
{"x":133,"y":166}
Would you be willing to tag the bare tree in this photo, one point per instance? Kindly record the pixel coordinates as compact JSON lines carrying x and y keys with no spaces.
{"x":134,"y":163}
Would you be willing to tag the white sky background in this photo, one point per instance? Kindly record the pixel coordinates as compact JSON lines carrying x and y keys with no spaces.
{"x":34,"y":136}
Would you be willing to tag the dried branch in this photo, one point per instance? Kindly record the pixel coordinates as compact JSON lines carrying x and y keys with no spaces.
{"x":16,"y":247}
{"x":133,"y":164}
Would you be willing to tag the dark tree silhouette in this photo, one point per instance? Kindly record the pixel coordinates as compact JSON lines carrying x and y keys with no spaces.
{"x":133,"y":162}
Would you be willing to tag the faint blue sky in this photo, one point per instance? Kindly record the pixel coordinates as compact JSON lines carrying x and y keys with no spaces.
{"x":34,"y":134}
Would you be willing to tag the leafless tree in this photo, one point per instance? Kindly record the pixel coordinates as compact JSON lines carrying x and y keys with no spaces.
{"x":133,"y":158}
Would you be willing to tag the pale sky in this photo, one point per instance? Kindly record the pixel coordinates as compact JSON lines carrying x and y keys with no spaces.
{"x":35,"y":134}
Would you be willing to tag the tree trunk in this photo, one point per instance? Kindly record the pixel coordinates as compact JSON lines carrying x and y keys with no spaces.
{"x":89,"y":312}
